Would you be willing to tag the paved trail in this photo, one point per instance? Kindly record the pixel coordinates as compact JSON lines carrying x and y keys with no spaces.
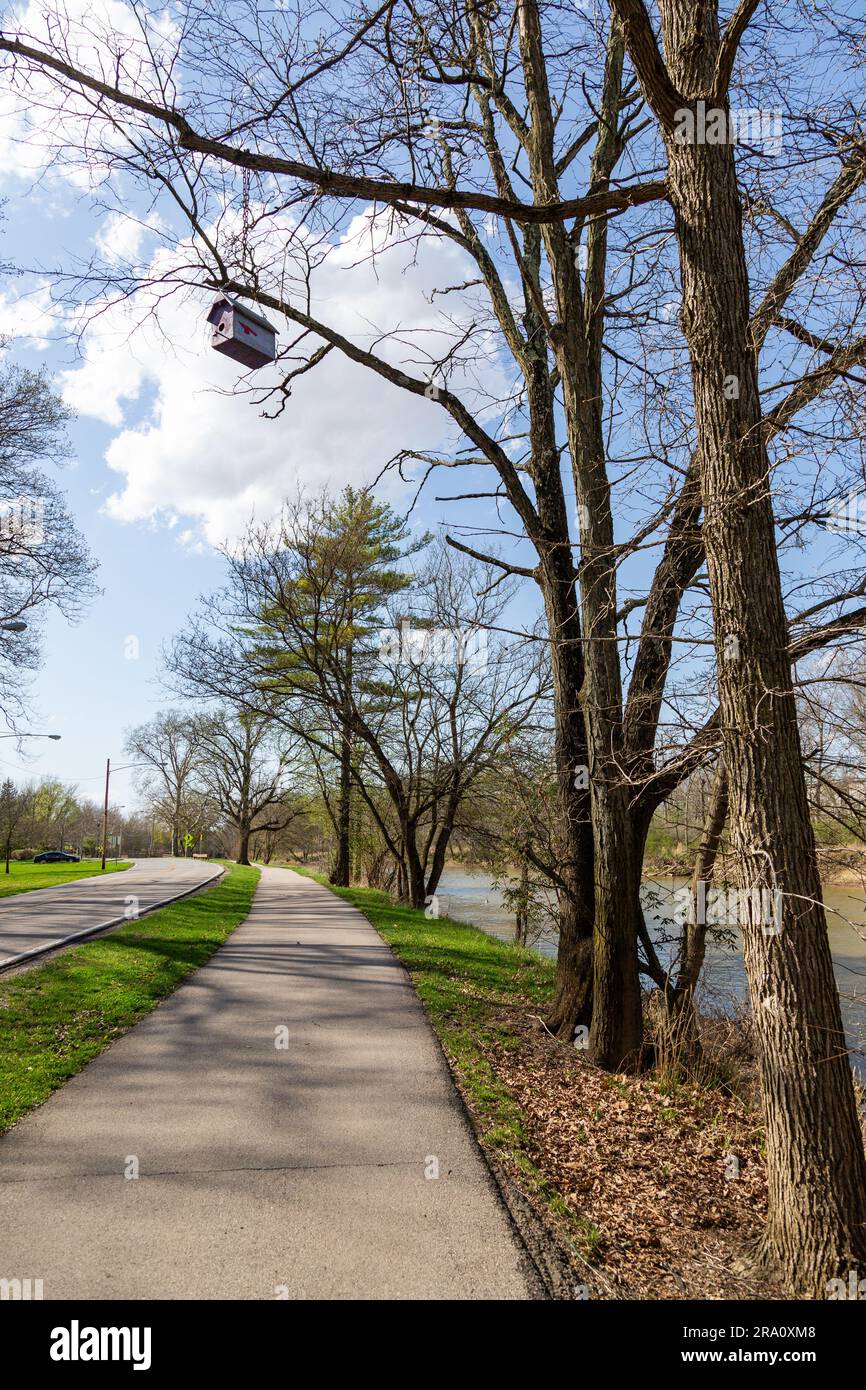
{"x":264,"y":1169}
{"x":47,"y":915}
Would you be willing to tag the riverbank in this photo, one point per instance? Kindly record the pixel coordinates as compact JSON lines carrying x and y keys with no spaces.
{"x":840,"y":866}
{"x":646,"y":1187}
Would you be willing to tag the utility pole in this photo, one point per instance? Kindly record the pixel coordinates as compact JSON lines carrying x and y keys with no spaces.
{"x":105,"y":812}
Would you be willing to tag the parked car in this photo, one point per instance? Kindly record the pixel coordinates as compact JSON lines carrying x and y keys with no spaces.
{"x":56,"y":856}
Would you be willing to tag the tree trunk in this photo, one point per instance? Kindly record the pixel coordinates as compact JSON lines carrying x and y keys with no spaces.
{"x":410,"y":878}
{"x":341,"y":875}
{"x":522,"y":917}
{"x":816,"y":1225}
{"x":557,"y":578}
{"x":572,"y":996}
{"x":576,"y":338}
{"x":616,"y":1037}
{"x":444,"y":831}
{"x":682,"y":995}
{"x":617,"y":1016}
{"x":402,"y":890}
{"x":244,"y":845}
{"x":416,"y":887}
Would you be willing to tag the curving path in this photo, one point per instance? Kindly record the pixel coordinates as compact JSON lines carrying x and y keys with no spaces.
{"x":45,"y":917}
{"x":303,"y":1171}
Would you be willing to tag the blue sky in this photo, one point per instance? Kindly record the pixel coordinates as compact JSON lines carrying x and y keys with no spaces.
{"x":89,"y":690}
{"x":173,"y":464}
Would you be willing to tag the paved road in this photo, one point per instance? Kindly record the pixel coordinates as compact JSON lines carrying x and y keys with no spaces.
{"x":264,"y":1171}
{"x":47,"y":915}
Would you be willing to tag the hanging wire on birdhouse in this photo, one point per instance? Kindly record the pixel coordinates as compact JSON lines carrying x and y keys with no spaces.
{"x":246,"y":219}
{"x":239,"y":332}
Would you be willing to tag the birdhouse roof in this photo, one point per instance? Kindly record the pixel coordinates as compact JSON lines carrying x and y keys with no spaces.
{"x":223,"y":299}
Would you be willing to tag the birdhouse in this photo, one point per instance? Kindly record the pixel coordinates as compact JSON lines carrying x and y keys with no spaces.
{"x":241,"y":334}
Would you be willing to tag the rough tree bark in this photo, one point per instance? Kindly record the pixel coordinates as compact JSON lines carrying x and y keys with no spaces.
{"x":816,"y":1224}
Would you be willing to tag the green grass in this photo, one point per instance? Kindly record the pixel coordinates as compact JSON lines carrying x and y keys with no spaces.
{"x":473,"y":987}
{"x":55,"y":1018}
{"x":24,"y":875}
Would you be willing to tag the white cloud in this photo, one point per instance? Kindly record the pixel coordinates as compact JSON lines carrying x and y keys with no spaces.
{"x":29,"y":319}
{"x":189,"y":447}
{"x":121,"y":236}
{"x":114,"y":370}
{"x":42,"y":128}
{"x":186,"y":446}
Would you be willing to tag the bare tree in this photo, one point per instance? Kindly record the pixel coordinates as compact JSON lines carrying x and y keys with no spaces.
{"x":244,"y":771}
{"x":44,"y":561}
{"x":429,"y":698}
{"x":168,"y":745}
{"x":16,"y":806}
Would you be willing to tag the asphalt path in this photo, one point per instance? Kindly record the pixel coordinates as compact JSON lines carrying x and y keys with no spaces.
{"x":283,"y":1126}
{"x":46,"y":917}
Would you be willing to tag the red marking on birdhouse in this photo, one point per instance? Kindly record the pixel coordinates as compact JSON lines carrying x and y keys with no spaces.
{"x":234,"y":325}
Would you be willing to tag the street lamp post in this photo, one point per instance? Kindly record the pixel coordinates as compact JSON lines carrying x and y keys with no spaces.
{"x":105,"y":813}
{"x":123,"y":768}
{"x":19,"y":627}
{"x":55,"y":737}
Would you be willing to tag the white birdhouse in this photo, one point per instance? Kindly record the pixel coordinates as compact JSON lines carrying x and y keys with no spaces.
{"x":241,"y":334}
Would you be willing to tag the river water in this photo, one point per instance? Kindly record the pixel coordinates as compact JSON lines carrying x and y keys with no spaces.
{"x":468,"y":896}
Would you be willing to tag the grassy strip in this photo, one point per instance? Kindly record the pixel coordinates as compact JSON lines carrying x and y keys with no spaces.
{"x":56,"y":1017}
{"x":473,"y":987}
{"x":24,"y":876}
